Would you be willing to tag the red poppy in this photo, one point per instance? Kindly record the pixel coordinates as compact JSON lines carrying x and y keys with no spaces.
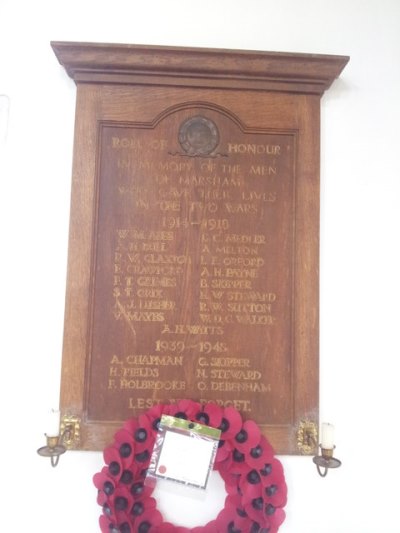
{"x":212,"y":415}
{"x":274,"y":486}
{"x":235,"y":509}
{"x":140,"y":489}
{"x":230,"y":480}
{"x":139,"y":435}
{"x":141,"y":507}
{"x":229,"y":520}
{"x":235,"y":463}
{"x":231,"y":423}
{"x":186,"y":409}
{"x":275,"y":520}
{"x":155,"y":413}
{"x":224,"y":450}
{"x":259,"y":455}
{"x":102,"y":477}
{"x":149,"y":521}
{"x":116,"y":463}
{"x":105,"y":485}
{"x":248,"y":437}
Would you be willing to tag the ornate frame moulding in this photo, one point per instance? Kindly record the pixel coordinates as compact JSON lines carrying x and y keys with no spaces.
{"x":194,"y":235}
{"x":199,"y":67}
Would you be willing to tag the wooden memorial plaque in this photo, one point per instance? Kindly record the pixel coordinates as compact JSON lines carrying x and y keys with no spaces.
{"x":193,"y":254}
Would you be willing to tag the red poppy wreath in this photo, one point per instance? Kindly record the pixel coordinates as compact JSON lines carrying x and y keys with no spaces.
{"x":254,"y":478}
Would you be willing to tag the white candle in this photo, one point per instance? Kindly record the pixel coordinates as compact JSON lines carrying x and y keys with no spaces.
{"x":53,"y":424}
{"x":327,"y":434}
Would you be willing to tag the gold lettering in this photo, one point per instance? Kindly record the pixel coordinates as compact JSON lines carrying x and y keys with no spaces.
{"x":126,"y":142}
{"x":174,"y":192}
{"x":209,"y":166}
{"x":219,"y":319}
{"x":230,"y":284}
{"x":256,"y":262}
{"x":252,"y":296}
{"x":254,"y":149}
{"x":262,"y":170}
{"x":155,"y":360}
{"x":154,"y":270}
{"x":170,"y":346}
{"x":229,"y":386}
{"x":217,"y":294}
{"x":229,"y":362}
{"x":154,"y":246}
{"x":161,"y":235}
{"x":212,"y":181}
{"x":144,"y":281}
{"x":230,"y":169}
{"x":140,"y":234}
{"x":165,"y":305}
{"x":236,"y":250}
{"x":139,"y":316}
{"x":146,"y":403}
{"x":240,"y":405}
{"x":142,"y":384}
{"x":169,"y":205}
{"x":241,"y":208}
{"x":245,"y":239}
{"x":266,"y":320}
{"x":126,"y":372}
{"x":235,"y":272}
{"x":150,"y":293}
{"x":167,"y":259}
{"x":249,"y":308}
{"x":193,"y":329}
{"x":241,"y":273}
{"x":214,"y":194}
{"x":261,"y":196}
{"x":156,"y":144}
{"x":210,"y":306}
{"x":253,"y":375}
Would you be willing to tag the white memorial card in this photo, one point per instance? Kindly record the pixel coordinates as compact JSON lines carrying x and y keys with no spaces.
{"x":185,"y":451}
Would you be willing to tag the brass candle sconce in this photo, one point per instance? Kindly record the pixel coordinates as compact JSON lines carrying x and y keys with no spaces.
{"x":64,"y":436}
{"x":325,"y":461}
{"x":307,"y":436}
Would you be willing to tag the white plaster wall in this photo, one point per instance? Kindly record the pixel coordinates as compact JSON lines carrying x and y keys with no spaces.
{"x":360,"y":258}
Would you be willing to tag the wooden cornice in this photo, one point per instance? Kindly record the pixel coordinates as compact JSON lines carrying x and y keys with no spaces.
{"x":199,"y":67}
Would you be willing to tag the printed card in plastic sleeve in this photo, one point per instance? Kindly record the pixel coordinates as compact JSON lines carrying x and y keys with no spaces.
{"x":184,"y":452}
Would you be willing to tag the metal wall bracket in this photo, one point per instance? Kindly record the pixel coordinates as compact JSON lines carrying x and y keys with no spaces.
{"x":70,"y":429}
{"x":307,"y":437}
